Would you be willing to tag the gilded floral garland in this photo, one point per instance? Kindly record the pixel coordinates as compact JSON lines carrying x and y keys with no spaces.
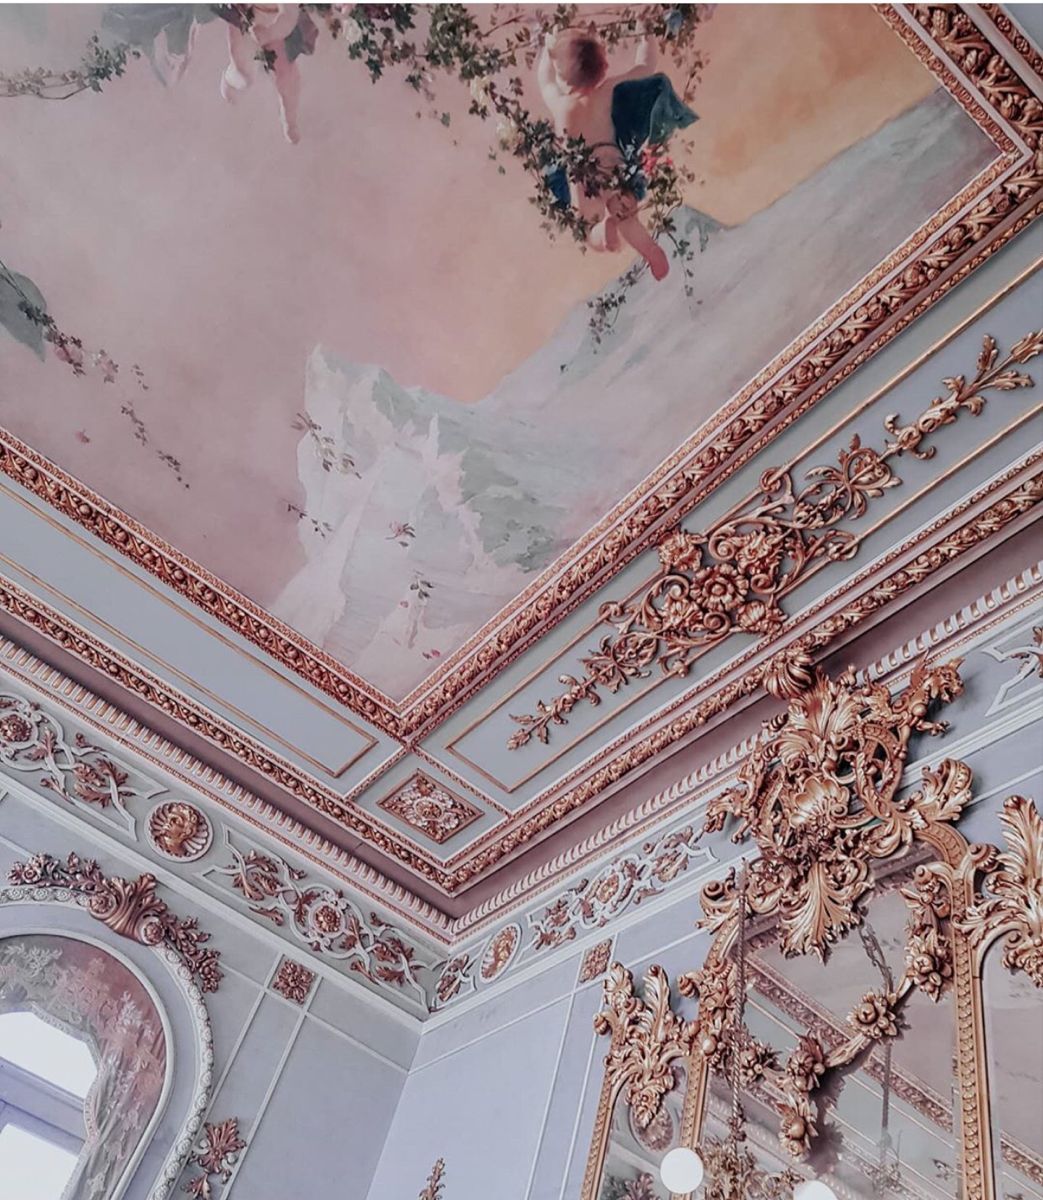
{"x":732,"y":578}
{"x":129,"y":908}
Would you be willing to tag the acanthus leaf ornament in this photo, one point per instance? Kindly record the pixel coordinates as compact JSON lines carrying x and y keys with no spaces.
{"x":130,"y":908}
{"x":1010,"y":900}
{"x":216,"y":1154}
{"x":817,"y":794}
{"x":647,"y":1037}
{"x":733,"y":577}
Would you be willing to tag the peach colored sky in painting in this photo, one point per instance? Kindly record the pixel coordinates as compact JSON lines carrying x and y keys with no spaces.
{"x":185,"y":234}
{"x":360,"y":237}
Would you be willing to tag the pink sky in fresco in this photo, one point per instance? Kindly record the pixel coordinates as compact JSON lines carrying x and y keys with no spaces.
{"x":186,"y":234}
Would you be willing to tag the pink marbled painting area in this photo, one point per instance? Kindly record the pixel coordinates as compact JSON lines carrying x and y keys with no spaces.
{"x":369,"y":396}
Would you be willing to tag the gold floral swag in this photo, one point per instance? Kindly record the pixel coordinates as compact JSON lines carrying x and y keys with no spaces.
{"x":821,"y":798}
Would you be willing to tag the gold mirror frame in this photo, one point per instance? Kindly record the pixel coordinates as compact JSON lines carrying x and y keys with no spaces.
{"x":819,"y":795}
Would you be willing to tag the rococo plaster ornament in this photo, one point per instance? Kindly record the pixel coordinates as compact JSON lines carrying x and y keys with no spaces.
{"x":647,"y":1038}
{"x":733,"y":577}
{"x":178,"y":830}
{"x":129,"y":908}
{"x":216,"y":1154}
{"x":820,"y":796}
{"x":1009,"y":903}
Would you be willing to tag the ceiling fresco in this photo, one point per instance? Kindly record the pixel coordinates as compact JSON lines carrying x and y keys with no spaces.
{"x":430,"y":471}
{"x":382,"y":414}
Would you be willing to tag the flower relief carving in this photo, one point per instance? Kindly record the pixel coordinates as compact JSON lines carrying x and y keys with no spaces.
{"x":647,"y":1038}
{"x":429,"y":808}
{"x":129,"y":908}
{"x":178,"y":830}
{"x":216,"y":1154}
{"x":32,"y":741}
{"x":326,"y":921}
{"x":733,"y":577}
{"x":293,"y":981}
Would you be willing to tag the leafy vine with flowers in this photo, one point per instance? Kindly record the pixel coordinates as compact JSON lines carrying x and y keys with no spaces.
{"x":485,"y":48}
{"x":732,"y":578}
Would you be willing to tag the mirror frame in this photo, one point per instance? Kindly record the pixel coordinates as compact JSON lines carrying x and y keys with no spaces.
{"x":820,"y":796}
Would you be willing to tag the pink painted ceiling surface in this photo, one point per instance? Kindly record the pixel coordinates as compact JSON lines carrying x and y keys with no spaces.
{"x":383,"y":283}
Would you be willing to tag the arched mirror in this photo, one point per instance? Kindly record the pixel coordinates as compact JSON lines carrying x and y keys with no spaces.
{"x":1005,"y":925}
{"x":83,"y":1057}
{"x":883,"y":1120}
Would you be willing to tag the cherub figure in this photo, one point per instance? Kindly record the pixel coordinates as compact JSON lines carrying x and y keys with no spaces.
{"x":281,"y":32}
{"x":615,"y":115}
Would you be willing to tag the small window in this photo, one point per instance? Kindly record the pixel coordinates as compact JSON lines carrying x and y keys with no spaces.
{"x":42,"y":1050}
{"x":31,"y":1167}
{"x":45,"y":1075}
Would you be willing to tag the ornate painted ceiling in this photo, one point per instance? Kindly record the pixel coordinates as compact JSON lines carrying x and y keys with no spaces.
{"x":350,"y":481}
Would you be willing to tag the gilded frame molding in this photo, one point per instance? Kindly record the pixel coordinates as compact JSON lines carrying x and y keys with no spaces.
{"x":820,"y":794}
{"x":990,"y":211}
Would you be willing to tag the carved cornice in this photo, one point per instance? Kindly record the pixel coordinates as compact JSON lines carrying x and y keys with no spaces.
{"x":129,"y":908}
{"x":732,"y":578}
{"x":952,"y":244}
{"x":618,"y":759}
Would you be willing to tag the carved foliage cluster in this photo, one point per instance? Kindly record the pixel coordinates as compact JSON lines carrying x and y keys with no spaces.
{"x":216,"y":1155}
{"x":129,"y":908}
{"x":818,"y":796}
{"x":1010,"y":902}
{"x":733,"y":577}
{"x":647,"y":1037}
{"x":435,"y":1182}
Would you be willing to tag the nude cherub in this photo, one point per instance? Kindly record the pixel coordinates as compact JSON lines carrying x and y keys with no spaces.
{"x":270,"y":26}
{"x":573,"y":78}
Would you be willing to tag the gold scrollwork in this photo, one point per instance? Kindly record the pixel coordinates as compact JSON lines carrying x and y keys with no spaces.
{"x":820,"y":796}
{"x":648,"y":1038}
{"x":733,"y":577}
